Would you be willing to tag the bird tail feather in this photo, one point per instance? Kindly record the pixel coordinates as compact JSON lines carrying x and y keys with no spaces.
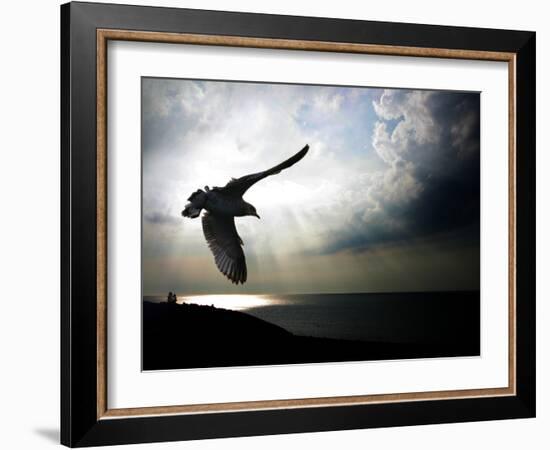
{"x":196,"y":203}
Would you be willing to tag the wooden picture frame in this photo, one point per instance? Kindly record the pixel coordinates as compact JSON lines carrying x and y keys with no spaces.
{"x":86,"y":418}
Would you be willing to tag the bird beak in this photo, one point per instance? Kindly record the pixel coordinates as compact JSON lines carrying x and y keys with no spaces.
{"x":256,"y":215}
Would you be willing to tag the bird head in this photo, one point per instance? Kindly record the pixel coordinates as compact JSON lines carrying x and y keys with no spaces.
{"x":251,"y":210}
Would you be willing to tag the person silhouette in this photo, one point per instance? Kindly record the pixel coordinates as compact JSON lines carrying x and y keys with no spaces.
{"x":171,"y":297}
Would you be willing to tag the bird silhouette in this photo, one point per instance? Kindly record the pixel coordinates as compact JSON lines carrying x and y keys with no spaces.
{"x":222,"y":205}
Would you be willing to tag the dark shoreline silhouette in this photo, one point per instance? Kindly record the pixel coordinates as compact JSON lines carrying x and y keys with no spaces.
{"x":194,"y":336}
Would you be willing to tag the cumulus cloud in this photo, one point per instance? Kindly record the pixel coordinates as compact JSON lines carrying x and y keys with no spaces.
{"x":429,"y":142}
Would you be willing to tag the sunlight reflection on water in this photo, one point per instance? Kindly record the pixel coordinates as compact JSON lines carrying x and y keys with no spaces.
{"x":234,"y":302}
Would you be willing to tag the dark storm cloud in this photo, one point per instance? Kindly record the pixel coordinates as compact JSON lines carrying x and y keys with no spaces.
{"x":159,"y":218}
{"x":431,"y":185}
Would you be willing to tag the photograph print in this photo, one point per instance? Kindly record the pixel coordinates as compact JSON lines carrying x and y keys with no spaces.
{"x":299,"y":224}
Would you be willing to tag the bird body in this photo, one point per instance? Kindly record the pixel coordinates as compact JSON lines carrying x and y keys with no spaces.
{"x":222,"y":205}
{"x":218,"y":202}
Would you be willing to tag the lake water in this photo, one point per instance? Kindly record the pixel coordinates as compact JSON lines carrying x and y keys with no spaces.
{"x":383,"y":317}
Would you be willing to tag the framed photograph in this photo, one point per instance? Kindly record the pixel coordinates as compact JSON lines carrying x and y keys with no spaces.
{"x":277,"y":224}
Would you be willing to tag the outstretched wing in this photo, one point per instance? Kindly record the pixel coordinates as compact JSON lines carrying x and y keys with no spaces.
{"x":238,"y":186}
{"x":225,"y":244}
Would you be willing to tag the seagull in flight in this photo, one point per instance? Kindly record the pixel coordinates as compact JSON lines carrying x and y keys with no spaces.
{"x":222,"y":205}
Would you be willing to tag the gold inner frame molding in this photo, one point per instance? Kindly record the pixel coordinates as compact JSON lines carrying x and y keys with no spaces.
{"x":104,"y":35}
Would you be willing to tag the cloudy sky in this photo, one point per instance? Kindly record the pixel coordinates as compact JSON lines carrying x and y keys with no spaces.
{"x":387,"y":199}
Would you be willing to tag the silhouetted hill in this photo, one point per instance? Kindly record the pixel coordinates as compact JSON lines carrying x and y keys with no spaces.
{"x":191,"y":336}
